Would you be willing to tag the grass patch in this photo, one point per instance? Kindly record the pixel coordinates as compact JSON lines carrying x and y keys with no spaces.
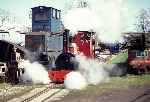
{"x":114,"y":84}
{"x":120,"y":58}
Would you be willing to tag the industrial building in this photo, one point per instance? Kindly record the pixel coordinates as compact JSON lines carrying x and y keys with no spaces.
{"x":11,"y":55}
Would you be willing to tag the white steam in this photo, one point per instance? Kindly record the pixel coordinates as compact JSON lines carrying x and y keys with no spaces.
{"x":92,"y":71}
{"x":35,"y":73}
{"x":75,"y":80}
{"x":80,"y":19}
{"x":102,"y":16}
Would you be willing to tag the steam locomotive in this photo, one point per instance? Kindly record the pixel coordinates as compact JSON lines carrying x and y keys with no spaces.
{"x":82,"y":42}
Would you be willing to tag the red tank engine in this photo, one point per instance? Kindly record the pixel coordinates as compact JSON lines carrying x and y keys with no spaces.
{"x":81,"y":43}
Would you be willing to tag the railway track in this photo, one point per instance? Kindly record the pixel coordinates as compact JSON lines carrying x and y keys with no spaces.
{"x":42,"y":95}
{"x":36,"y":95}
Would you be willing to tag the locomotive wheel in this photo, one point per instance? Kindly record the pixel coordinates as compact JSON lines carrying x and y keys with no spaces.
{"x":148,"y":69}
{"x":141,"y":71}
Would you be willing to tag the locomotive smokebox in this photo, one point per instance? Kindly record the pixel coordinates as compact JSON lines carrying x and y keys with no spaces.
{"x":66,"y":61}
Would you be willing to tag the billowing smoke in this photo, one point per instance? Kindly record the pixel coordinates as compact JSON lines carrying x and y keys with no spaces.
{"x":35,"y":73}
{"x":102,"y":16}
{"x":91,"y":71}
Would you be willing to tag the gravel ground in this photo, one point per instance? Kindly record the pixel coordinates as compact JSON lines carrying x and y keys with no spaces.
{"x":8,"y":91}
{"x":132,"y":94}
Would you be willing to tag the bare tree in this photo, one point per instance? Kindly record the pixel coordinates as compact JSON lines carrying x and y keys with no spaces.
{"x":4,"y":17}
{"x":143,"y":21}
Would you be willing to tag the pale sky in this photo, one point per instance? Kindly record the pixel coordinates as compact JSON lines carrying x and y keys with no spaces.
{"x":21,"y":8}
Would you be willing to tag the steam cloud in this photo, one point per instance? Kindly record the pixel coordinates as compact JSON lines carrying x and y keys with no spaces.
{"x":35,"y":73}
{"x":90,"y":72}
{"x":75,"y":80}
{"x":78,"y":19}
{"x":102,"y":16}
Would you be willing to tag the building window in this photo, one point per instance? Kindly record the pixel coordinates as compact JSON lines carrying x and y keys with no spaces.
{"x":142,"y":53}
{"x":138,"y":54}
{"x":146,"y":53}
{"x":53,"y":13}
{"x":58,"y":14}
{"x":3,"y":69}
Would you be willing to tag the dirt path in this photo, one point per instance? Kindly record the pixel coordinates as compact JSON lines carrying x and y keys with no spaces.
{"x":133,"y":94}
